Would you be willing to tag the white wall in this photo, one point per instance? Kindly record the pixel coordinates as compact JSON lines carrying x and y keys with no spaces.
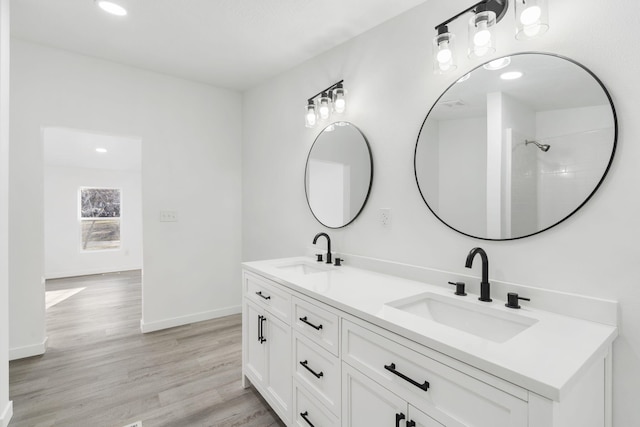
{"x":387,"y":72}
{"x":5,"y":404}
{"x":62,"y":238}
{"x":578,"y":155}
{"x":463,"y":190}
{"x":191,"y":153}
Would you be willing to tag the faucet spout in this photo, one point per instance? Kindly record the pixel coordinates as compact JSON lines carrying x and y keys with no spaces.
{"x":485,"y":290}
{"x":315,"y":239}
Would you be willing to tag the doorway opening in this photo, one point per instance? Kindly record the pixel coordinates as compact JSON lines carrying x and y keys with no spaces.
{"x":92,"y":209}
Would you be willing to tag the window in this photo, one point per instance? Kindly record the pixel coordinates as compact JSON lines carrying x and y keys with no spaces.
{"x":100,"y":218}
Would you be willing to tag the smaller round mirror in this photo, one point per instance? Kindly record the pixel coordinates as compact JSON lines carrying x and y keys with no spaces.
{"x":338,"y":174}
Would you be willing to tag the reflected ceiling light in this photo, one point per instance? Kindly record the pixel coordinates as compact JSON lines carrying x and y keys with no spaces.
{"x":497,"y":64}
{"x":511,"y":75}
{"x":464,"y":78}
{"x":101,"y":150}
{"x":111,"y":7}
{"x":531,"y":21}
{"x":320,"y":106}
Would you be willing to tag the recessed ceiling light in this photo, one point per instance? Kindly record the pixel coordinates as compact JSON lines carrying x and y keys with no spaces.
{"x":111,"y":7}
{"x":101,"y":150}
{"x":511,"y":75}
{"x":497,"y":64}
{"x":464,"y":78}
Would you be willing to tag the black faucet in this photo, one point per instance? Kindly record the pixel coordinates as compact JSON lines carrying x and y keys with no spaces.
{"x":485,"y":292}
{"x":315,"y":239}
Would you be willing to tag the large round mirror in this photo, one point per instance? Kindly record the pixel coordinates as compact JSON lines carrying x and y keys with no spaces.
{"x":338,"y":174}
{"x":516,"y":146}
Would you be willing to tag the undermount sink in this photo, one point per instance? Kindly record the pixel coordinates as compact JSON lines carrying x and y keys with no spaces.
{"x":303,"y":267}
{"x":485,"y":322}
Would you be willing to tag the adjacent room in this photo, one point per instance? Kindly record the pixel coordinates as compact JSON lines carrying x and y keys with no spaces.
{"x":340,"y":213}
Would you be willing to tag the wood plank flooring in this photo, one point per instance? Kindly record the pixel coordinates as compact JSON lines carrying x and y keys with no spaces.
{"x":101,"y":371}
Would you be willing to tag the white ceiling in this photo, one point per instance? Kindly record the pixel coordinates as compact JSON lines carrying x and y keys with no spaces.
{"x":227,"y":43}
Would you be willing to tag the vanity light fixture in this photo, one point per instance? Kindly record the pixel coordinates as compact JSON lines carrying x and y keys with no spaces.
{"x":111,"y":7}
{"x":531,"y":18}
{"x":531,"y":21}
{"x":321,"y":105}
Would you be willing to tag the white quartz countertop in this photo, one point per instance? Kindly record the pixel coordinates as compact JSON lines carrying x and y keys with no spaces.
{"x":545,"y":358}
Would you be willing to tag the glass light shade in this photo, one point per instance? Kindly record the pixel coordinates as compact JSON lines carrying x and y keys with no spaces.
{"x":324,"y":109}
{"x":111,"y":7}
{"x":481,"y":38}
{"x":339,"y":100}
{"x":532,"y":18}
{"x":310,"y":116}
{"x":444,"y":59}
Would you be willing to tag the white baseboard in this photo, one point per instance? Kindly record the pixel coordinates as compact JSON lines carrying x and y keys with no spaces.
{"x":89,"y":272}
{"x":28,"y":351}
{"x":185,"y":320}
{"x":6,"y":415}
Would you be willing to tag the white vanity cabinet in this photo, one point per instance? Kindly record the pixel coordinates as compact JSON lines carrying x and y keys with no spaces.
{"x":367,"y":403}
{"x":324,"y":365}
{"x":267,"y":342}
{"x":450,"y":397}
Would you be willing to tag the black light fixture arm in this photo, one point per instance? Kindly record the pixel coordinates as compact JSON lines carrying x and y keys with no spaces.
{"x":327,"y":90}
{"x":497,"y":6}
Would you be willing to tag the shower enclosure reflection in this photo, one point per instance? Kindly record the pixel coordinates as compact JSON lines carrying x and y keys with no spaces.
{"x":503,"y":159}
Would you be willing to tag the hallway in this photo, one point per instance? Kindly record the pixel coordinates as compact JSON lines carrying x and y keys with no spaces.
{"x":101,"y":371}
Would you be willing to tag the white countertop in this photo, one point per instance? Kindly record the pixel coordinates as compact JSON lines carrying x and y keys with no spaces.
{"x":545,"y":358}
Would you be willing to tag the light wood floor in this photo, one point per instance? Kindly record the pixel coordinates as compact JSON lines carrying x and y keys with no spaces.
{"x":100,"y":371}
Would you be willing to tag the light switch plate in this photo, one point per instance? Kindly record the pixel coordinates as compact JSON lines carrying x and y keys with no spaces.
{"x":168,"y":216}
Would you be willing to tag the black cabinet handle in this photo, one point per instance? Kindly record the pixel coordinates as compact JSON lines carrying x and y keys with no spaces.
{"x":305,"y":364}
{"x":399,"y":417}
{"x":304,"y":319}
{"x":259,"y":293}
{"x":304,"y":416}
{"x":260,"y":327}
{"x":392,"y":368}
{"x":411,"y":423}
{"x":262,"y":338}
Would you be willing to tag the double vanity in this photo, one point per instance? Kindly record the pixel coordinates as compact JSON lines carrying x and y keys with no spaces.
{"x":330,"y":345}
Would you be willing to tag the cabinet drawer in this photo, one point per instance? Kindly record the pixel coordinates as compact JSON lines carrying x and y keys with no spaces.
{"x":309,"y":412}
{"x":268,"y":295}
{"x":318,"y":371}
{"x":319,"y":325}
{"x":449,"y":396}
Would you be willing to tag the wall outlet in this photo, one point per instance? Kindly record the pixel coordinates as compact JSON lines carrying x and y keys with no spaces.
{"x":385,"y":217}
{"x":168,"y":216}
{"x":136,"y":424}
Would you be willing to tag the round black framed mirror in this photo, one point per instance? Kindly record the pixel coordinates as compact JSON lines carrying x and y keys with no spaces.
{"x":338,"y":174}
{"x":516,"y":146}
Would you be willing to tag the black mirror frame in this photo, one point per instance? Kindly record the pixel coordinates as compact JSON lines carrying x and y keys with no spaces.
{"x":364,"y":202}
{"x":613,"y":150}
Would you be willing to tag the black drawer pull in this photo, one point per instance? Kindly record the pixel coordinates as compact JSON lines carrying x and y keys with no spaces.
{"x":304,"y":319}
{"x":305,"y":364}
{"x":392,"y":368}
{"x":399,"y":417}
{"x":259,"y":293}
{"x":304,"y":416}
{"x":411,"y":423}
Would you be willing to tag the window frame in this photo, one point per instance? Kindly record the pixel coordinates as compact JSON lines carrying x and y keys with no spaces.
{"x":82,"y":220}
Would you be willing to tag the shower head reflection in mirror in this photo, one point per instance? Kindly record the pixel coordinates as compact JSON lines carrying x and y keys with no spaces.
{"x":543,"y":147}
